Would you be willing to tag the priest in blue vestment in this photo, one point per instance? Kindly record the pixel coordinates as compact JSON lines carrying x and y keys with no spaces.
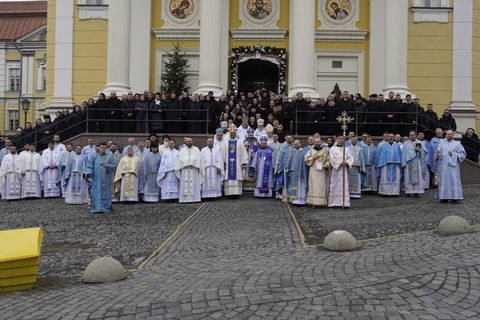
{"x":263,"y":165}
{"x":414,"y":162}
{"x":282,"y":164}
{"x":149,"y":170}
{"x":74,"y":179}
{"x":432,"y":151}
{"x":370,"y":157}
{"x":357,"y":169}
{"x":388,"y":167}
{"x":297,"y":175}
{"x":100,"y":169}
{"x":449,"y":155}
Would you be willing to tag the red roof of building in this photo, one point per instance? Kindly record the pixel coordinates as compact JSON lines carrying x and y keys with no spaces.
{"x":19,"y":18}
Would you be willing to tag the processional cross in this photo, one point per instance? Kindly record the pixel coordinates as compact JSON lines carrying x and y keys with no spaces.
{"x":344,"y":119}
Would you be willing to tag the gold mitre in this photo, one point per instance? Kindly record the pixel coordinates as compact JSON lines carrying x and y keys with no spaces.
{"x":232,"y":128}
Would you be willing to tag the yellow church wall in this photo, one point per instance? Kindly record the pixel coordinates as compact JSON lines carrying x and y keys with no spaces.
{"x":362,"y":24}
{"x":476,"y":58}
{"x":430,"y":62}
{"x":157,"y":22}
{"x":90,"y":49}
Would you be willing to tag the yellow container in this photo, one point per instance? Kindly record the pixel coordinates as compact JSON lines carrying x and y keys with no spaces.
{"x":19,"y":258}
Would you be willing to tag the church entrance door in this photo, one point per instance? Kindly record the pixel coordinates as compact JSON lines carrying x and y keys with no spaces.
{"x":257,"y":74}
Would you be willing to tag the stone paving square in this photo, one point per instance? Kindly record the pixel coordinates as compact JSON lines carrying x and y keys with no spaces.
{"x":243,"y":259}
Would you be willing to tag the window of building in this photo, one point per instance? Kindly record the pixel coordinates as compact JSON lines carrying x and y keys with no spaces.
{"x":13,"y":76}
{"x":13,"y":120}
{"x":431,"y":10}
{"x":92,"y":9}
{"x":42,"y":77}
{"x":431,"y":3}
{"x":95,"y":2}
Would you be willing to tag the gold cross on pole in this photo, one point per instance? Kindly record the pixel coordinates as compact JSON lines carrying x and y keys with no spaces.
{"x":344,"y":119}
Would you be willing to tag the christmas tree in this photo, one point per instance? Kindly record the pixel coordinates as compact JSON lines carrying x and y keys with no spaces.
{"x":175,"y":76}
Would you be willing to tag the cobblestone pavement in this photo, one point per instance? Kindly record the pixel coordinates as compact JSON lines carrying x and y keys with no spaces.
{"x":73,"y":237}
{"x":241,"y":259}
{"x":374,"y":216}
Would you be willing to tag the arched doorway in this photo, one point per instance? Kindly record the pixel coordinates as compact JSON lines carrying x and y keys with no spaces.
{"x":258,"y":67}
{"x":257,"y":74}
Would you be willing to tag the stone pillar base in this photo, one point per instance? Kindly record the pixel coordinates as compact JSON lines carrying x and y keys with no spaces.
{"x":307,"y":91}
{"x":57,"y":103}
{"x":465,"y":115}
{"x":403,"y":91}
{"x":119,"y":89}
{"x":205,"y":89}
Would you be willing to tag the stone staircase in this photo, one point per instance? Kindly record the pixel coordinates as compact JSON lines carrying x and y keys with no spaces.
{"x":470,"y":173}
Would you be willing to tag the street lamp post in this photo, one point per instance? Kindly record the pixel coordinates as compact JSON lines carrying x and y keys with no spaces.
{"x":25,"y":106}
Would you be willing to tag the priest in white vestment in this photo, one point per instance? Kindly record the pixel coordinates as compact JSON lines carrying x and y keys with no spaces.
{"x":164,"y":145}
{"x":218,"y":139}
{"x":166,"y":179}
{"x":190,"y":170}
{"x":10,"y":176}
{"x":126,"y":177}
{"x":260,"y":131}
{"x":449,"y":154}
{"x":31,"y":168}
{"x":340,"y":163}
{"x":214,"y":171}
{"x":235,"y":158}
{"x":242,"y":131}
{"x":51,"y":158}
{"x":318,"y":160}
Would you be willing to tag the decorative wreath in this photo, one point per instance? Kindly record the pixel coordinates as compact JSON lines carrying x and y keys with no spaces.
{"x":237,"y":53}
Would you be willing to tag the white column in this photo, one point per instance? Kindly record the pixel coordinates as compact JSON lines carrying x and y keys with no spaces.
{"x":140,"y":33}
{"x":302,"y":64}
{"x":377,"y":46}
{"x":462,"y":106}
{"x":62,"y":88}
{"x":212,"y":41}
{"x":396,"y":46}
{"x":27,"y":74}
{"x":118,"y":65}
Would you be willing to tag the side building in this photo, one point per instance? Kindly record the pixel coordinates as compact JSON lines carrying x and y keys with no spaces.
{"x":23,"y":63}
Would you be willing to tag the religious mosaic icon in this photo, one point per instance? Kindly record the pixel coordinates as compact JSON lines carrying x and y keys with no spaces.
{"x":181,"y":9}
{"x":259,"y":9}
{"x":338,"y":9}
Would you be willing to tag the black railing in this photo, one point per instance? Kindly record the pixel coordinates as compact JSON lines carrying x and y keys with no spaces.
{"x":203,"y":121}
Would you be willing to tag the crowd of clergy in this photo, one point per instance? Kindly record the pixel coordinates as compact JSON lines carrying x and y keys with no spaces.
{"x":235,"y":160}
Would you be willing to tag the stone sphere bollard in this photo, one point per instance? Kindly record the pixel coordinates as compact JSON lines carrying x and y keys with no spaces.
{"x":104,"y":270}
{"x":453,"y":225}
{"x":339,"y":240}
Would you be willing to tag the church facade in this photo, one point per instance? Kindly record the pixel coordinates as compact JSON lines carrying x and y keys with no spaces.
{"x":429,"y":48}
